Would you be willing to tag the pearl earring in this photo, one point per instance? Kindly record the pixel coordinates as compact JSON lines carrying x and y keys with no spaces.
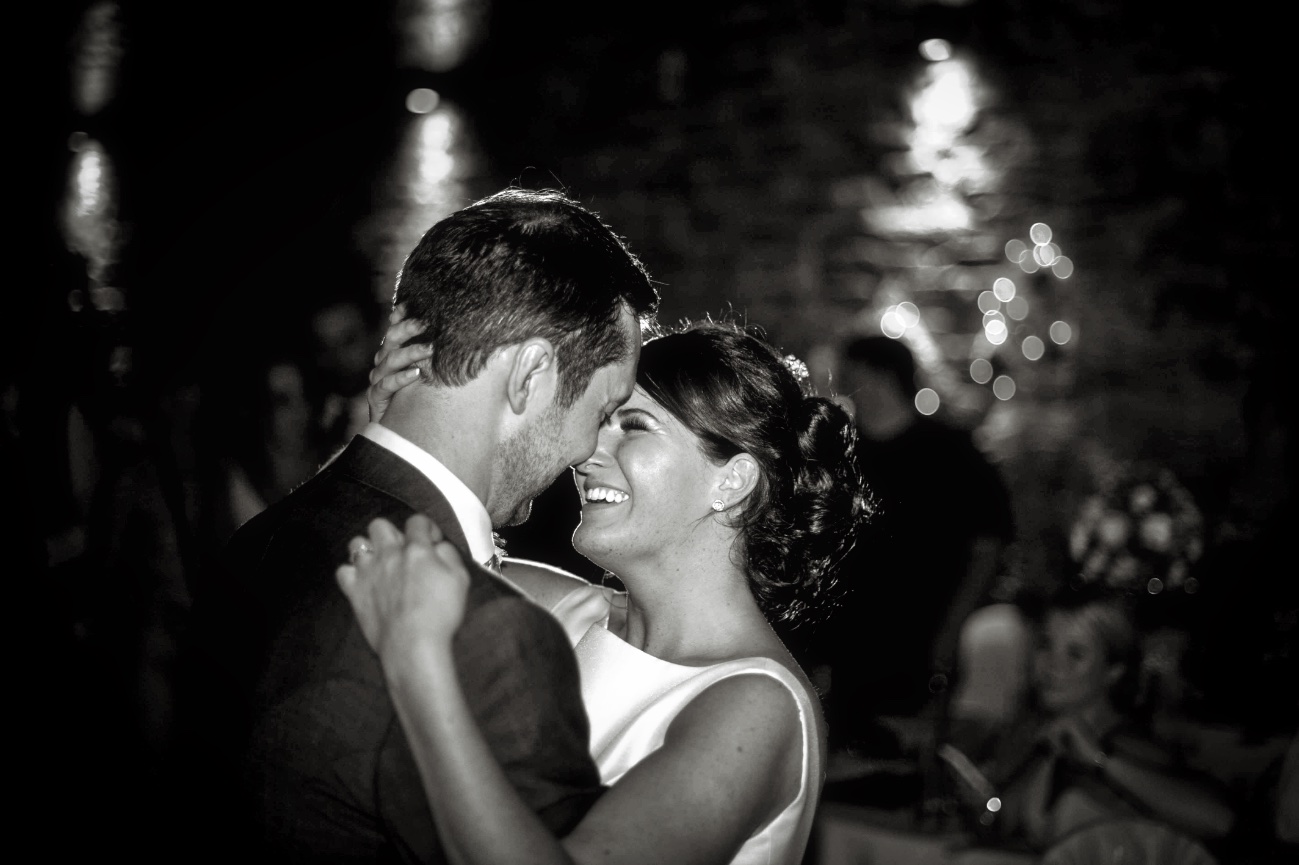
{"x":718,"y":504}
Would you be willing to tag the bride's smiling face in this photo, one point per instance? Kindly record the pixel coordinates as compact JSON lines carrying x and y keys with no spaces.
{"x":645,"y":489}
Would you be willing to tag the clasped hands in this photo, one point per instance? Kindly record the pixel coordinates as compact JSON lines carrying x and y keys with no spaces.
{"x":1073,"y":739}
{"x":406,"y":590}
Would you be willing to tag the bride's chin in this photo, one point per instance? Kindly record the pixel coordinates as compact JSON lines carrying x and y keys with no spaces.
{"x":601,"y":557}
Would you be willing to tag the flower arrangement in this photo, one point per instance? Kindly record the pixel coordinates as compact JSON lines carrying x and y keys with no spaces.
{"x":1141,"y":531}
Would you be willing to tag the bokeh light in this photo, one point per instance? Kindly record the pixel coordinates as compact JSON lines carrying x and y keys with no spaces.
{"x":422,"y":100}
{"x":981,"y":370}
{"x":1040,"y":233}
{"x":988,"y":301}
{"x":994,"y":804}
{"x":89,"y":210}
{"x":1155,"y":586}
{"x":98,"y":57}
{"x":891,"y":323}
{"x":1029,"y":264}
{"x":1016,"y":250}
{"x":927,"y":401}
{"x":1004,"y":289}
{"x":1062,"y":267}
{"x":936,"y":49}
{"x":1017,"y":307}
{"x":441,"y":34}
{"x":1033,"y":347}
{"x":1004,"y":387}
{"x":908,"y":313}
{"x":995,"y":330}
{"x":436,"y":159}
{"x":1060,"y":332}
{"x":946,"y":106}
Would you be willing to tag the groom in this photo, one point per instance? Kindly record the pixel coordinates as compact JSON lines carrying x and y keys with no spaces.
{"x":532,"y":307}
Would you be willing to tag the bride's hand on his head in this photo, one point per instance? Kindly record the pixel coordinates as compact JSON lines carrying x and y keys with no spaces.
{"x":394,"y":365}
{"x":405,"y":589}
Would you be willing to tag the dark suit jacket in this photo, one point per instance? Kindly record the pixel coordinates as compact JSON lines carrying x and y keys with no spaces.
{"x":293,"y":697}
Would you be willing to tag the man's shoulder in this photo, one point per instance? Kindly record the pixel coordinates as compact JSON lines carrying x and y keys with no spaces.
{"x":545,"y":584}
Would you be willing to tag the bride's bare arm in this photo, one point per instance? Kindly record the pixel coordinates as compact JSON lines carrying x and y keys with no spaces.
{"x":730,"y":761}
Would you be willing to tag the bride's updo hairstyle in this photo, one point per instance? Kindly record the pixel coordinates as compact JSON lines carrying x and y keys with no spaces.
{"x":739,"y":395}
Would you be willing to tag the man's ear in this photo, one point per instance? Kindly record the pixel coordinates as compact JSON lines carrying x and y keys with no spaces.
{"x":532,"y":375}
{"x":738,"y":478}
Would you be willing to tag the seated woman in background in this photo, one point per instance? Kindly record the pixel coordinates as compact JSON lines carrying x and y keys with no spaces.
{"x":1077,"y":756}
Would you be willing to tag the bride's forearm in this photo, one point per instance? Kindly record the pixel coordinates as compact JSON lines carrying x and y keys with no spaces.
{"x":481,"y":819}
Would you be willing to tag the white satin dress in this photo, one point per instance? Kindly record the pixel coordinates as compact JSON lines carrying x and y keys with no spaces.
{"x":632,"y":697}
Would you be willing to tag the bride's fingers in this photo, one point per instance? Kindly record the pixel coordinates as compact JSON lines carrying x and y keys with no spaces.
{"x":346,"y":576}
{"x":421,"y":529}
{"x":390,"y":355}
{"x":398,"y":361}
{"x":390,"y":384}
{"x":395,"y":335}
{"x":384,"y":535}
{"x":398,"y":334}
{"x":359,"y":550}
{"x":447,"y":554}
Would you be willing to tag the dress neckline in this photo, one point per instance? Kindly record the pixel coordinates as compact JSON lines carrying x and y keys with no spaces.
{"x":602,"y":628}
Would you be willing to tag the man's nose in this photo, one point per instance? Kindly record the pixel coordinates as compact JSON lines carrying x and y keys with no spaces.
{"x":599,"y":453}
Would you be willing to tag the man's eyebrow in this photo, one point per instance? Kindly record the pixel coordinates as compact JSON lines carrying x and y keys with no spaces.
{"x":624,"y":411}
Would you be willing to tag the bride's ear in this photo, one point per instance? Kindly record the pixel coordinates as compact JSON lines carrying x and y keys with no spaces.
{"x":738,"y":478}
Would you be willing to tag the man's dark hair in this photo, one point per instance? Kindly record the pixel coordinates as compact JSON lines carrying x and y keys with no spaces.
{"x":886,"y":355}
{"x":521,"y":264}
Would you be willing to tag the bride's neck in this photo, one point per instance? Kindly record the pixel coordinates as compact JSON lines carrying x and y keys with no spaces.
{"x":694,"y":615}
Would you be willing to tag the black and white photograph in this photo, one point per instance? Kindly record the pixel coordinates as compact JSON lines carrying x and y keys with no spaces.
{"x":848,"y":432}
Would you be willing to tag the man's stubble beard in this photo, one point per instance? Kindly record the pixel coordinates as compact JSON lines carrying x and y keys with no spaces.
{"x":527,"y":464}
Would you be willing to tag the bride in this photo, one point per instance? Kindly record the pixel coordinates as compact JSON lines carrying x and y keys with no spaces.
{"x":723,"y":497}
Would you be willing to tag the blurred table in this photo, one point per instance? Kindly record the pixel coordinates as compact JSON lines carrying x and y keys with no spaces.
{"x":856,"y":835}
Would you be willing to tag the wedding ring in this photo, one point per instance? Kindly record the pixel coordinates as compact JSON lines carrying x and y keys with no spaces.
{"x":361,"y":547}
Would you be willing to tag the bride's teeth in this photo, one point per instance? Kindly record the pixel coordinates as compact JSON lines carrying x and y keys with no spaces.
{"x":604,"y":494}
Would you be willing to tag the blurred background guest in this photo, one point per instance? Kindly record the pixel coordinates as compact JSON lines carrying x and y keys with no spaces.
{"x":344,"y":335}
{"x":928,"y":557}
{"x":1080,"y":752}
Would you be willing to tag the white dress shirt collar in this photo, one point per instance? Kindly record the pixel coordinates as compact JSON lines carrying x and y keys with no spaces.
{"x":474,"y":521}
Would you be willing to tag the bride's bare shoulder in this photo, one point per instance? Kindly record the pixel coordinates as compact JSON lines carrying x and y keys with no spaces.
{"x":544,"y":583}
